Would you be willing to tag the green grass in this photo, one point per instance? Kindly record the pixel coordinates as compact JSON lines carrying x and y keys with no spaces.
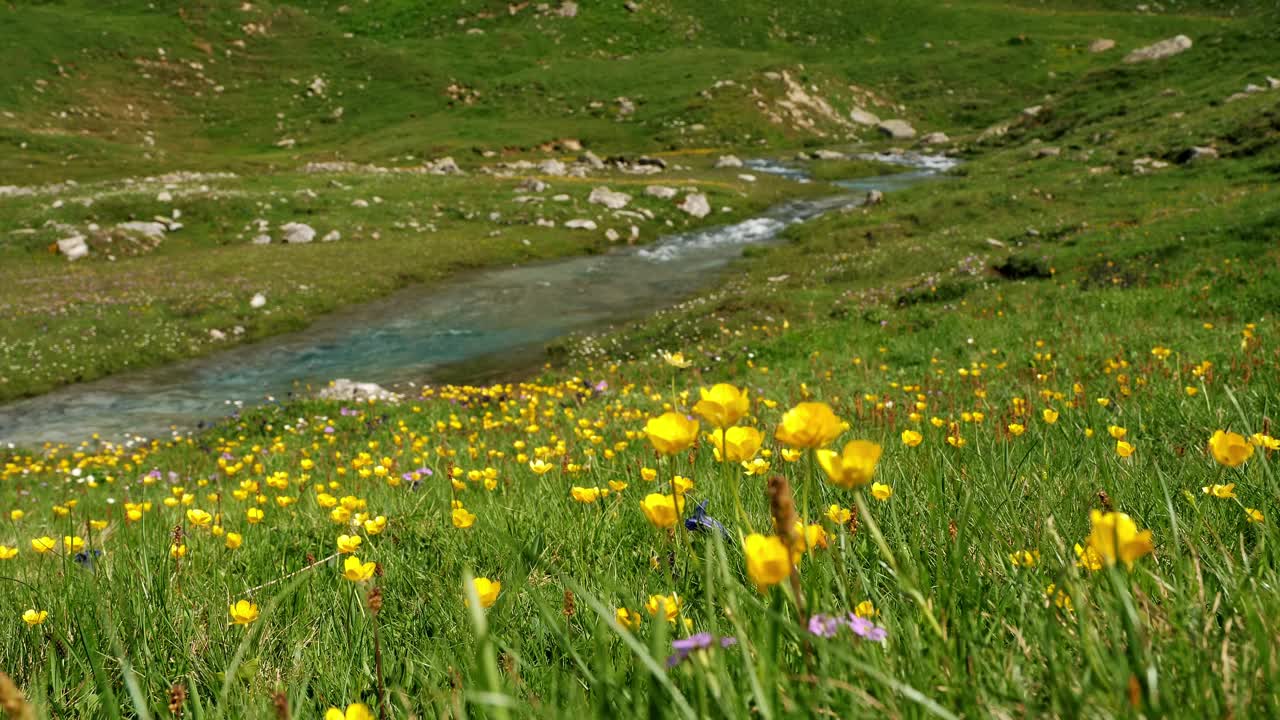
{"x":873,"y":311}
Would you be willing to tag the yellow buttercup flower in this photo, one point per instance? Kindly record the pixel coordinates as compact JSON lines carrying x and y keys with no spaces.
{"x":44,"y":544}
{"x":839,"y":515}
{"x":911,"y":438}
{"x":1050,"y":416}
{"x":768,"y":560}
{"x":722,"y":405}
{"x":662,"y":510}
{"x":1230,"y":449}
{"x":1253,"y":515}
{"x":587,"y":495}
{"x":1116,"y":432}
{"x":854,"y":466}
{"x":356,"y":571}
{"x":866,"y":609}
{"x":809,"y":425}
{"x":487,"y":590}
{"x":8,"y":553}
{"x":739,"y":443}
{"x":199,"y":518}
{"x":234,"y":541}
{"x":462,"y":518}
{"x":349,"y":543}
{"x":35,"y":617}
{"x":540,"y":466}
{"x":671,"y":432}
{"x":243,"y":612}
{"x":648,"y":474}
{"x":881,"y":492}
{"x":1124,"y":449}
{"x":665,"y":606}
{"x":1115,"y":537}
{"x":629,"y":619}
{"x":376,"y":525}
{"x":676,"y":360}
{"x":356,"y":711}
{"x":1223,"y":492}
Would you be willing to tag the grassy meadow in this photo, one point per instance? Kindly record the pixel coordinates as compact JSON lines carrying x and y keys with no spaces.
{"x":1000,"y":446}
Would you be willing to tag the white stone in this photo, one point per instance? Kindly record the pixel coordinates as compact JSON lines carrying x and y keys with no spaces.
{"x":1160,"y":50}
{"x":862,"y":117}
{"x":581,"y":224}
{"x":152,"y":230}
{"x":552,"y":167}
{"x":164,"y":196}
{"x":661,"y":192}
{"x":344,"y":389}
{"x":296,"y":233}
{"x":262,"y":239}
{"x":609,"y":198}
{"x":935,"y":138}
{"x":696,"y":204}
{"x":1101,"y":45}
{"x":728,"y":161}
{"x":73,"y":247}
{"x":897,"y":129}
{"x":331,"y":236}
{"x":258,"y":300}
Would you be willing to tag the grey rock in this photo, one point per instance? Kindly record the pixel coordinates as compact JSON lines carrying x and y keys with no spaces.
{"x":935,"y":138}
{"x":151,"y":230}
{"x":661,"y":192}
{"x":581,"y":224}
{"x":1101,"y":45}
{"x":863,"y":117}
{"x":344,"y":389}
{"x":896,"y":129}
{"x":828,"y":155}
{"x":1160,"y":50}
{"x":296,"y":233}
{"x":552,"y":167}
{"x":1196,"y":154}
{"x":263,"y":239}
{"x":1047,"y":152}
{"x":874,"y":197}
{"x":608,"y":198}
{"x":73,"y":247}
{"x":592,"y":160}
{"x":728,"y":161}
{"x":696,"y":204}
{"x":331,"y":236}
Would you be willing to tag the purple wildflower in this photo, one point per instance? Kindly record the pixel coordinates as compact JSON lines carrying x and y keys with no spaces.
{"x":827,"y":626}
{"x":824,"y":625}
{"x":700,"y":641}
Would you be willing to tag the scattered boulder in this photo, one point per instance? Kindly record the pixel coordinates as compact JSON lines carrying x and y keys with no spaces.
{"x":552,"y":167}
{"x":662,"y":192}
{"x":828,"y":155}
{"x":581,"y":224}
{"x":935,"y":138}
{"x":533,"y":185}
{"x":1047,"y":152}
{"x":344,"y":389}
{"x":443,"y":166}
{"x":164,"y":196}
{"x":612,"y":235}
{"x":747,"y":177}
{"x":1101,"y":45}
{"x":217,"y":335}
{"x":1160,"y":50}
{"x":874,"y":197}
{"x":263,"y":239}
{"x":1196,"y":154}
{"x":1273,"y":83}
{"x":728,"y":161}
{"x":150,"y":230}
{"x":626,"y":106}
{"x":331,"y":236}
{"x":258,"y":300}
{"x":360,"y":203}
{"x":696,"y":204}
{"x":568,"y":9}
{"x":862,"y":117}
{"x":896,"y":129}
{"x":609,"y":198}
{"x":73,"y":247}
{"x":298,"y":233}
{"x":591,"y":160}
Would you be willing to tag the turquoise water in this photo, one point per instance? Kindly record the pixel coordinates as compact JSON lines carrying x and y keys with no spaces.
{"x":469,"y":329}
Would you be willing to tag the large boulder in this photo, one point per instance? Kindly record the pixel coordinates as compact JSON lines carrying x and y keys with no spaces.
{"x":896,"y":129}
{"x":608,"y":198}
{"x":298,"y":233}
{"x":696,"y":204}
{"x":863,"y":117}
{"x":73,"y":247}
{"x":344,"y":389}
{"x":1160,"y":50}
{"x":444,"y":166}
{"x":552,"y":167}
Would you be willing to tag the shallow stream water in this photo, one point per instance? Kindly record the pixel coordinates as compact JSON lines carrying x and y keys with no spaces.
{"x":463,"y":330}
